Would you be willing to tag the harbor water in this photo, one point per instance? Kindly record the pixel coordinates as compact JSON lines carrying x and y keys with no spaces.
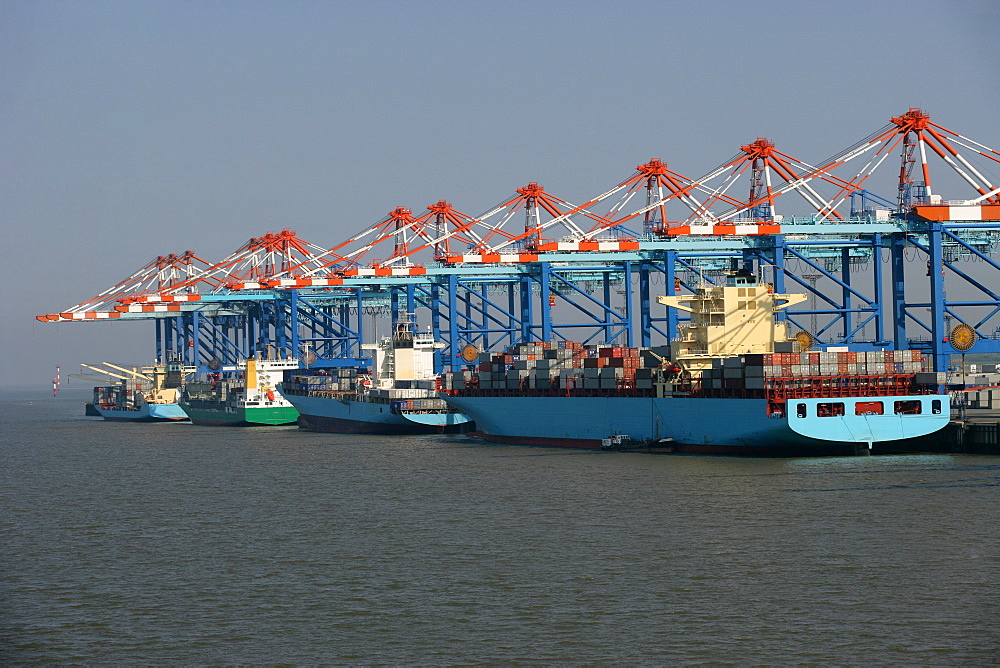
{"x":179,"y":544}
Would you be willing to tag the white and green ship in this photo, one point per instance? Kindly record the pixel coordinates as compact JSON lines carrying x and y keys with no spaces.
{"x":241,"y":397}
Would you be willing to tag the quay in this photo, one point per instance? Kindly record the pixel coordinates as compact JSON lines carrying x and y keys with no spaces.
{"x":971,"y":431}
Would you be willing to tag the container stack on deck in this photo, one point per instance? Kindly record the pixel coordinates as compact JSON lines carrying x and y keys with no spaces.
{"x":408,"y":395}
{"x":752,"y":371}
{"x":127,"y":393}
{"x":551,"y":365}
{"x":565,"y":366}
{"x":323,"y":380}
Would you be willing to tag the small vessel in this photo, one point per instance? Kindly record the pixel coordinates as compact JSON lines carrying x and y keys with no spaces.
{"x":398,"y":395}
{"x":241,"y":396}
{"x":733,"y":382}
{"x":146,"y":394}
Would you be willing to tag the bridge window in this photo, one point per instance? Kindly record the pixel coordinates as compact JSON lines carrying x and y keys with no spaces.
{"x":800,"y":410}
{"x":830,"y":409}
{"x":869,"y":408}
{"x":936,"y":406}
{"x":908,"y":407}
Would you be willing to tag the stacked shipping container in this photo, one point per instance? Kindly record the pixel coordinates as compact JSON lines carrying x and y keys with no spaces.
{"x":550,"y":365}
{"x":750,"y":371}
{"x":566,"y":365}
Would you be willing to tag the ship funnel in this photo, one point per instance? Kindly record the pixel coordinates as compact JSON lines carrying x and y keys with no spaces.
{"x":251,"y":374}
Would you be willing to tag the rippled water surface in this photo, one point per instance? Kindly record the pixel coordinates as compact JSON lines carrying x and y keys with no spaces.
{"x":172,"y":543}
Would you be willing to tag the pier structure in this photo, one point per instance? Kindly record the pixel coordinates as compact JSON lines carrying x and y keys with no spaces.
{"x":906,"y":268}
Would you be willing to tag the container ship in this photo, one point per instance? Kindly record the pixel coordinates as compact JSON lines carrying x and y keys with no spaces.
{"x":733,"y":382}
{"x":241,"y":396}
{"x":398,"y":395}
{"x":146,"y":394}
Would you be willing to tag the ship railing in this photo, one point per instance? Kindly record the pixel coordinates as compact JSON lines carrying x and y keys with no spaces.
{"x":806,"y":387}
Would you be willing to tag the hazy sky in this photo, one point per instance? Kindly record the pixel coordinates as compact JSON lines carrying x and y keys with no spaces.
{"x":135,"y":129}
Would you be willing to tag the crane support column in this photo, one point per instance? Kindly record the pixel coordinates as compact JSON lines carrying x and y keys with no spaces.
{"x":452,"y":321}
{"x":897,"y":246}
{"x":877,"y":280}
{"x":394,"y":305}
{"x":411,"y":299}
{"x":526,"y":319}
{"x":629,"y":323}
{"x":546,"y":306}
{"x":645,"y":317}
{"x":845,"y":277}
{"x":196,"y":338}
{"x":939,"y":332}
{"x":293,"y":322}
{"x":436,"y":323}
{"x":158,"y":330}
{"x":669,"y":280}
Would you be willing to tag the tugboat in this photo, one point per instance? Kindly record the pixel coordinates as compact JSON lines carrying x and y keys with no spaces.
{"x":398,"y":396}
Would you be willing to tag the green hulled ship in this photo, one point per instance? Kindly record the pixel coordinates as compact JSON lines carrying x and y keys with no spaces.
{"x":241,"y":397}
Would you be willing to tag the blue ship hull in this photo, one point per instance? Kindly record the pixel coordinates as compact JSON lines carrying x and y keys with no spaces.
{"x":709,"y":425}
{"x":144,"y":413}
{"x":362,"y":417}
